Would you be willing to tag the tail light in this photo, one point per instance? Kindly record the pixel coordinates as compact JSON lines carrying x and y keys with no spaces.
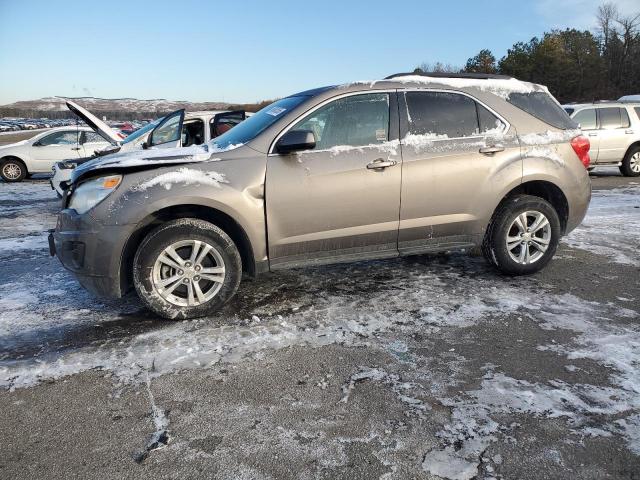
{"x":581,"y":146}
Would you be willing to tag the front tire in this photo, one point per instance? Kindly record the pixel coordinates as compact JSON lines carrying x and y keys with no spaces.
{"x":631,"y":163}
{"x":523,"y":235}
{"x":186,"y":268}
{"x":13,"y":170}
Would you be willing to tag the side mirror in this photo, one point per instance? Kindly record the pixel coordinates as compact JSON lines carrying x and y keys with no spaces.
{"x":145,"y":144}
{"x":37,"y":144}
{"x":296,"y":140}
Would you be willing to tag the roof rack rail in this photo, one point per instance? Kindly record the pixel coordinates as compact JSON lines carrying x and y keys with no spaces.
{"x":479,"y":76}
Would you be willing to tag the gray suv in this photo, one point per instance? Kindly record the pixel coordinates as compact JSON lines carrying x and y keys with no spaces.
{"x":406,"y":165}
{"x":613,"y":129}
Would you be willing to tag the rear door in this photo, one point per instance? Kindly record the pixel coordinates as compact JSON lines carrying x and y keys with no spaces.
{"x":615,"y":134}
{"x":456,"y":155}
{"x":332,"y":203}
{"x":55,"y":147}
{"x":168,"y":133}
{"x":588,"y":121}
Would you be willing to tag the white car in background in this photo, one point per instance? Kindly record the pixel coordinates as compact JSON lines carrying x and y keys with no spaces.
{"x":197,"y":128}
{"x":613,"y":129}
{"x":40,"y":152}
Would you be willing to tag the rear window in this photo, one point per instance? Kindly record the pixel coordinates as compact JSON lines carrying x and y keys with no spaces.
{"x":543,"y":107}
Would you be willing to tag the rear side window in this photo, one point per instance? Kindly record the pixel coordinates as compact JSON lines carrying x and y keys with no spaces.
{"x":92,"y":137}
{"x":586,"y":118}
{"x":448,"y":114}
{"x":543,"y":107}
{"x":613,"y":117}
{"x":441,"y":113}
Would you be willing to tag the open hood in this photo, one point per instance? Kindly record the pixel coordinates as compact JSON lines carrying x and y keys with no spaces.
{"x":101,"y":128}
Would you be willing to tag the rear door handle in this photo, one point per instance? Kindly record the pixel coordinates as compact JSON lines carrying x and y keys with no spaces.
{"x":380,"y":164}
{"x":629,"y":132}
{"x":75,"y":148}
{"x":490,"y":150}
{"x":593,"y":134}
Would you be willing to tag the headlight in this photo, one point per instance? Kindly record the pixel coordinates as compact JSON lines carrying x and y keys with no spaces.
{"x":92,"y":192}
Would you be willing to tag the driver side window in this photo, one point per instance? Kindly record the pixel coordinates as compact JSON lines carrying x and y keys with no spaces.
{"x":354,"y":121}
{"x":60,"y":138}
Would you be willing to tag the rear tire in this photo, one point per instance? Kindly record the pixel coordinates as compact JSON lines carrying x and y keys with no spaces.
{"x":631,"y":163}
{"x":186,"y":268}
{"x":522,"y":236}
{"x":12,"y":170}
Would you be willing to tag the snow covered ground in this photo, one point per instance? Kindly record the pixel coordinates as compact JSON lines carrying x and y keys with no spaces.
{"x":469,"y":356}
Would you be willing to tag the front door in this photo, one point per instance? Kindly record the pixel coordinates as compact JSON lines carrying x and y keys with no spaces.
{"x":333,"y":202}
{"x":456,"y":153}
{"x":55,"y":147}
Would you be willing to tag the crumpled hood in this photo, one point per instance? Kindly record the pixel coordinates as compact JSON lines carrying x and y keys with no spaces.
{"x":152,"y":158}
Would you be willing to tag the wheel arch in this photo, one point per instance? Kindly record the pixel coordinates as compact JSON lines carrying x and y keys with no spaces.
{"x":546,"y":190}
{"x":15,"y":157}
{"x":221,"y":219}
{"x":635,"y":144}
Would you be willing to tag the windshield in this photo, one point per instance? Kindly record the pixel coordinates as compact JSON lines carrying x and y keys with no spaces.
{"x":142,"y":131}
{"x":250,"y":128}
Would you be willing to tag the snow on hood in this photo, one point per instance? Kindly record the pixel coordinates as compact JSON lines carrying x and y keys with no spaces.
{"x":184,"y":176}
{"x":154,"y":157}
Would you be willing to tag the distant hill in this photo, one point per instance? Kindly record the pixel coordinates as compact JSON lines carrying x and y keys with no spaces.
{"x":113,"y":108}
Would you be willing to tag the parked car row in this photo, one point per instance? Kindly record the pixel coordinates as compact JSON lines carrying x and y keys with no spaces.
{"x":17,"y":124}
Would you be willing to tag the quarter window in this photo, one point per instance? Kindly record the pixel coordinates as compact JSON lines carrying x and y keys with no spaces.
{"x":637,"y":109}
{"x":611,"y":118}
{"x":586,"y":118}
{"x":448,"y":114}
{"x":60,"y":138}
{"x":355,"y":121}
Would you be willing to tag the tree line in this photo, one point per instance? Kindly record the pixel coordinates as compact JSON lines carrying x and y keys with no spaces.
{"x":576,"y":65}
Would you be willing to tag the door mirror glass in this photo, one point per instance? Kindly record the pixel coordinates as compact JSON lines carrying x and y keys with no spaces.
{"x":167,"y":131}
{"x":296,"y":140}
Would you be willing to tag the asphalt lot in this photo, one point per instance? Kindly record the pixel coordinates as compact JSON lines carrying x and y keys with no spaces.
{"x":420,"y":367}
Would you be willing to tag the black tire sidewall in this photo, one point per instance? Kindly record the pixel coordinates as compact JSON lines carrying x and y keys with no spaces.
{"x":625,"y":168}
{"x":496,"y":247}
{"x":174,"y":231}
{"x":23,"y":169}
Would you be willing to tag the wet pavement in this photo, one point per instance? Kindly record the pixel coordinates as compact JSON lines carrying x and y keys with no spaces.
{"x":420,"y":367}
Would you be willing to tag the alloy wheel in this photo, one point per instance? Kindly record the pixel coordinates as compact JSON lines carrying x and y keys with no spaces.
{"x":11,"y":171}
{"x":188,"y":273}
{"x":528,"y":237}
{"x":634,"y":162}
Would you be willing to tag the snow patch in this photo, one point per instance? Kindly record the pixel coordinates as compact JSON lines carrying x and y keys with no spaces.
{"x":185,"y":176}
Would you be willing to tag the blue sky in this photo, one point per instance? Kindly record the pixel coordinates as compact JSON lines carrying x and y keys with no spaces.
{"x":243,"y":51}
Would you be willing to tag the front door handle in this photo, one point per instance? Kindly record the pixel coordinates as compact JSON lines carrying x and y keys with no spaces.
{"x":75,"y":148}
{"x":381,"y":164}
{"x":492,"y":149}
